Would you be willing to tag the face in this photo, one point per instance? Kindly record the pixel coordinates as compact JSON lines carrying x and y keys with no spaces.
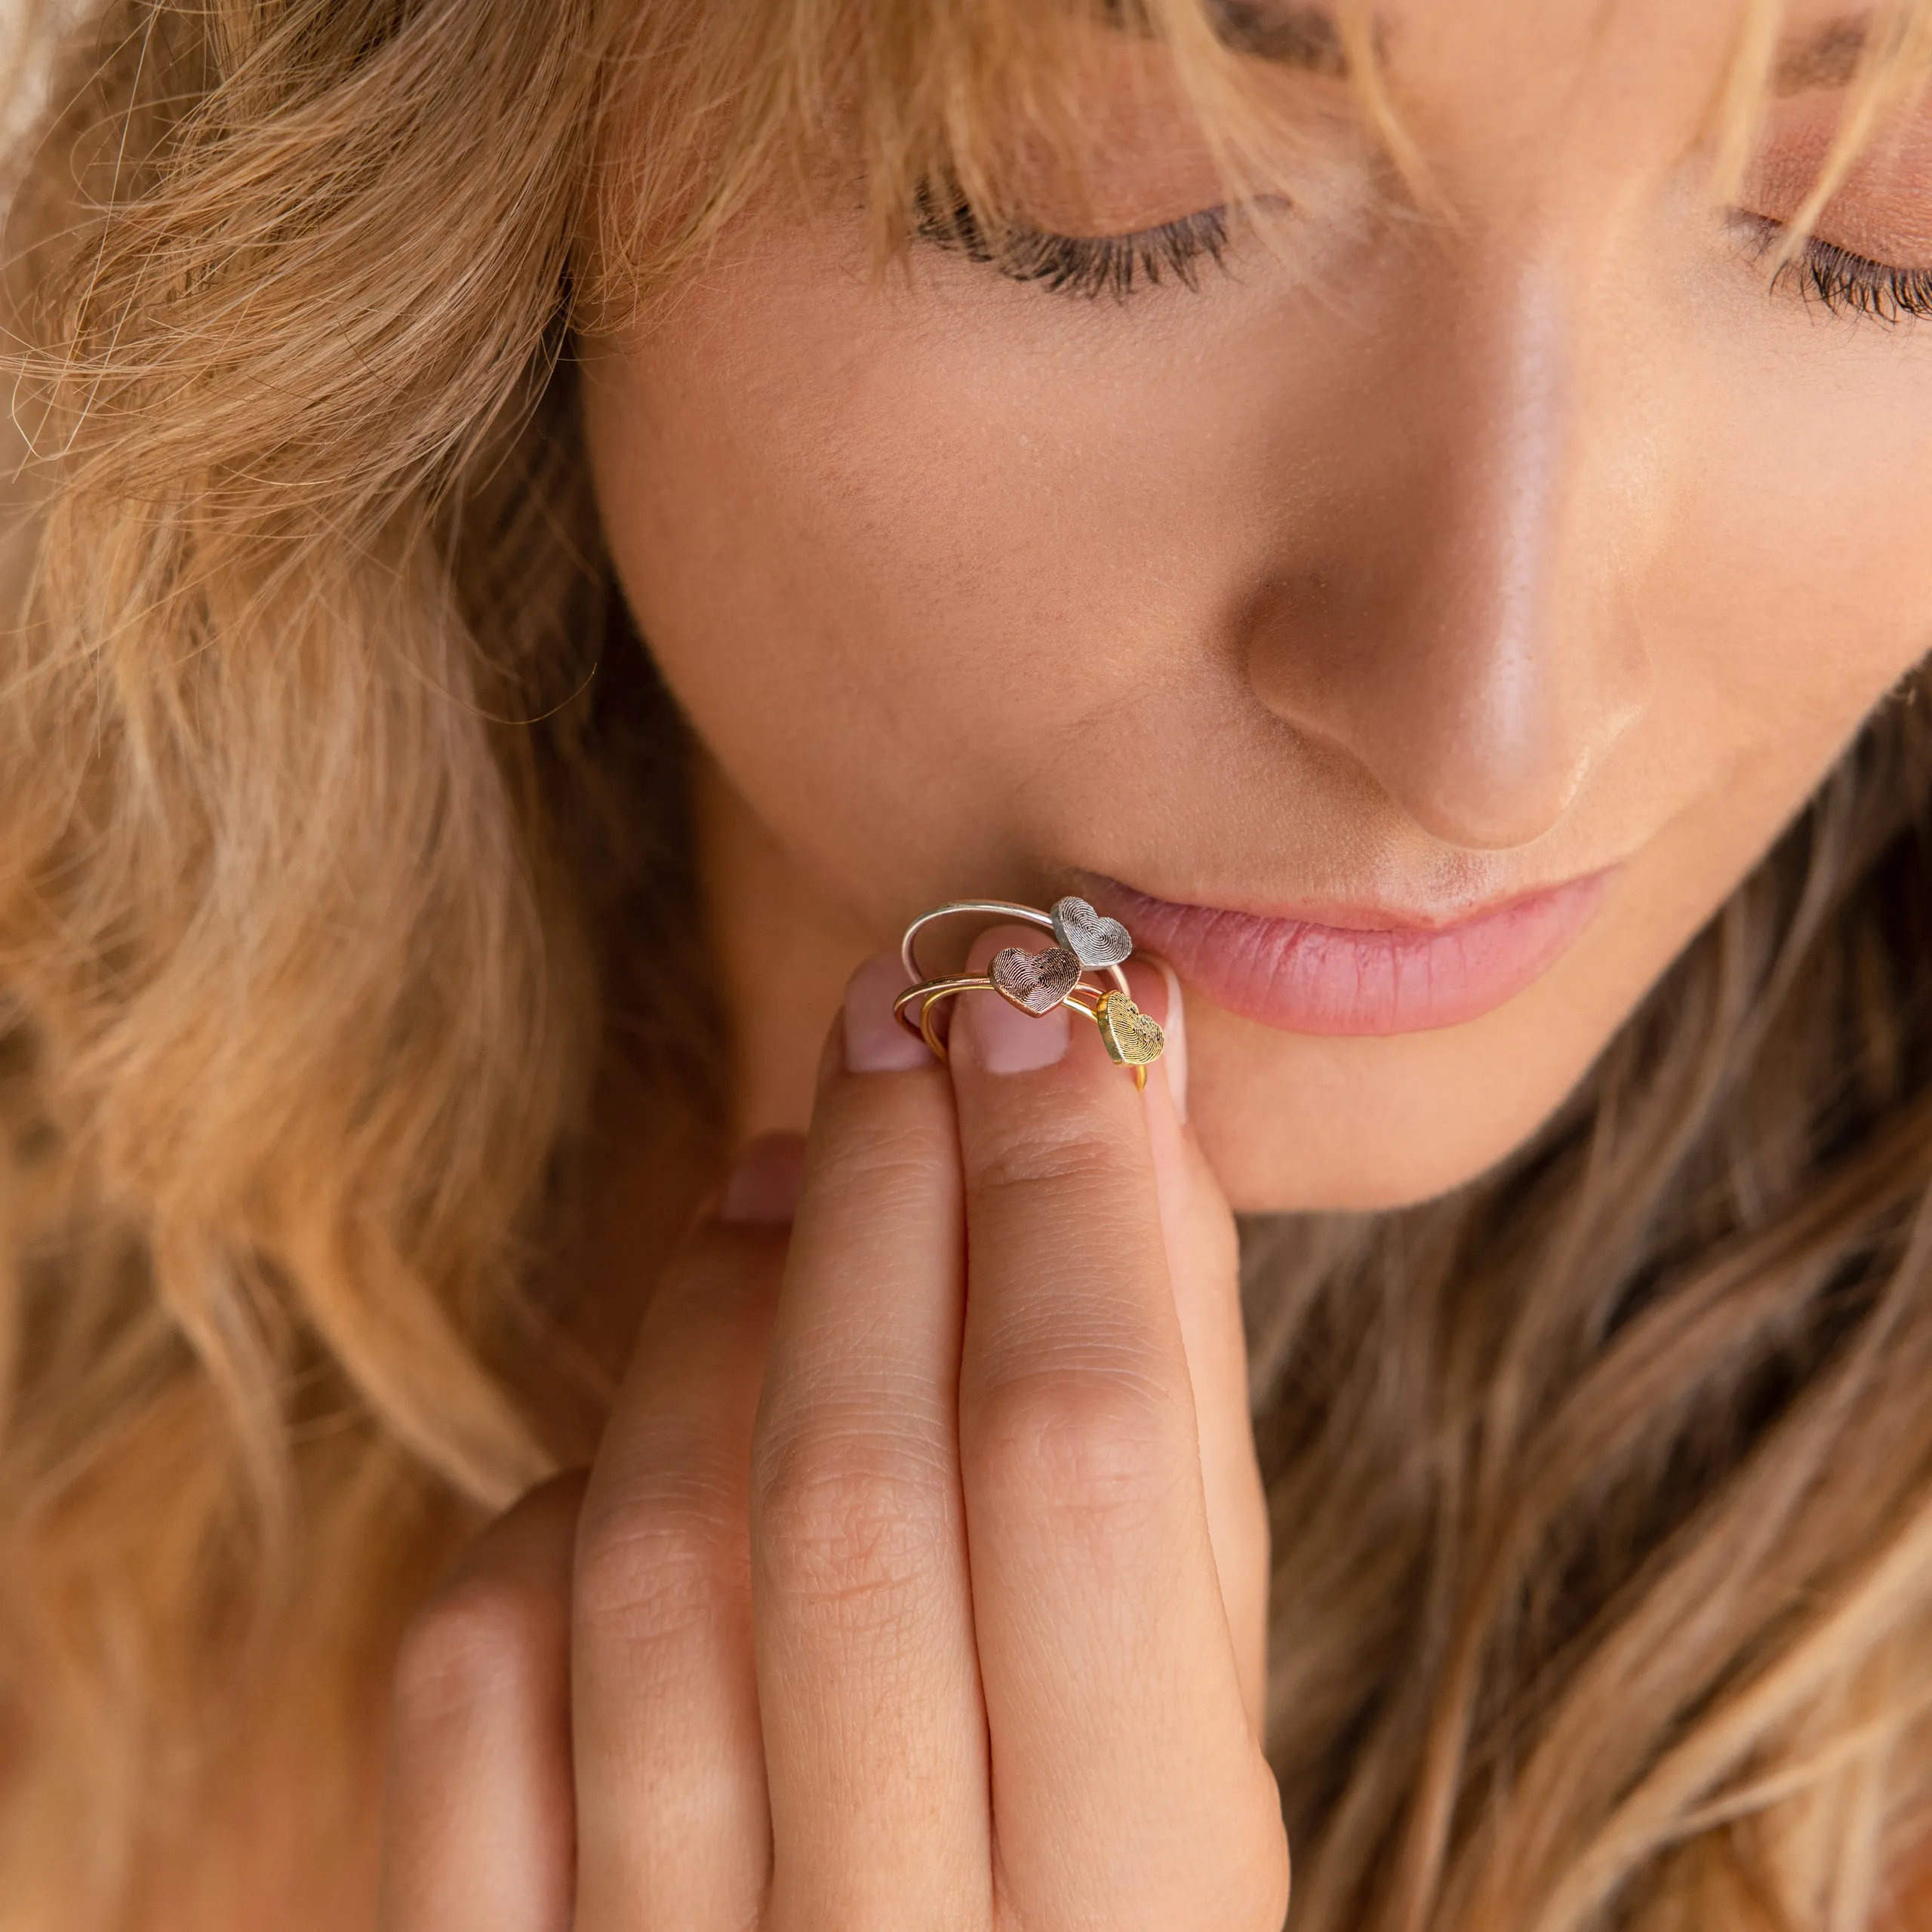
{"x":1413,"y":629}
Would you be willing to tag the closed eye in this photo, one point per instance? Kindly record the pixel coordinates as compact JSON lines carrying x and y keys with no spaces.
{"x":1842,"y":281}
{"x":1173,"y":253}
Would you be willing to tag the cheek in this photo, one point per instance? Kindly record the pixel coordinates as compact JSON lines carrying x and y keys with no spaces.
{"x":895,"y":567}
{"x":789,"y":534}
{"x":1799,"y":585}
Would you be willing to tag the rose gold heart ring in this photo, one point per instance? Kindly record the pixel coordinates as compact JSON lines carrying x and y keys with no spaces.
{"x":1084,"y":943}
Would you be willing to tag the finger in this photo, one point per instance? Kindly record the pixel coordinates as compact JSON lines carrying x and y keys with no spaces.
{"x":1129,"y":1788}
{"x":477,"y":1823}
{"x":1204,"y":1266}
{"x":672,"y":1821}
{"x":874,"y":1732}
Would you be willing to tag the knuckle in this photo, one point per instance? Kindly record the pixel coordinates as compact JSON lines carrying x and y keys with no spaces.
{"x":1096,"y":1445}
{"x":715,"y":1274}
{"x":1277,"y":1882}
{"x":651,"y":1568}
{"x":851,"y":1526}
{"x":1267,"y":1880}
{"x":1064,"y":1155}
{"x":890,"y":1157}
{"x":480,"y":1638}
{"x":1239,"y":1877}
{"x":1257,"y":1862}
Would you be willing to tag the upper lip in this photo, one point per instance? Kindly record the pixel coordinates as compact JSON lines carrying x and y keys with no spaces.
{"x":1357,"y":918}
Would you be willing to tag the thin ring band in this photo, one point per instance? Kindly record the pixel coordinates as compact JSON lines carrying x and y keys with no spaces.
{"x":1030,"y":915}
{"x":929,"y":992}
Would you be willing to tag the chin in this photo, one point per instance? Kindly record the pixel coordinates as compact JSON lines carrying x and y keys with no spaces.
{"x":1258,"y":1180}
{"x":1296,"y":1126}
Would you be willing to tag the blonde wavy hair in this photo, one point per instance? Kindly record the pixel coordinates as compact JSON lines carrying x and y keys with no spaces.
{"x":337,"y":801}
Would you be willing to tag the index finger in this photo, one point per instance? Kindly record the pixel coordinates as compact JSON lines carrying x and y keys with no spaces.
{"x":874,"y":1733}
{"x":1129,"y":1788}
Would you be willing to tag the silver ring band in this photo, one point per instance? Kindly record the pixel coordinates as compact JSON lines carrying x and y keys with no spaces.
{"x":1000,"y":908}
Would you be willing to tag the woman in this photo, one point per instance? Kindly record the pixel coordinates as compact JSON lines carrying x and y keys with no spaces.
{"x":1415,"y":514}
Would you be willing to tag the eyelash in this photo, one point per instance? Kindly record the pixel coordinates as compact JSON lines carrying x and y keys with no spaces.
{"x":1086,"y":266}
{"x":1119,"y":265}
{"x":1843,"y":283}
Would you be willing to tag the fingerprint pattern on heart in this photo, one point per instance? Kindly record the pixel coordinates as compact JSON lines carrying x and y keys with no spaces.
{"x":1097,"y":942}
{"x":1036,"y":982}
{"x":1131,"y":1037}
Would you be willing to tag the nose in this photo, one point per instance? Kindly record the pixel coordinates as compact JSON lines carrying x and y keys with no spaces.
{"x":1455,"y":624}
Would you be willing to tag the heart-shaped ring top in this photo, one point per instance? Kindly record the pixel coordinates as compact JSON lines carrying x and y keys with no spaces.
{"x":1036,"y":982}
{"x":1131,"y":1036}
{"x":1096,"y":942}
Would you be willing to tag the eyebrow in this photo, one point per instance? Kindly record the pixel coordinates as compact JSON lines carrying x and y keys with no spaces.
{"x":1297,"y":36}
{"x":1307,"y":37}
{"x":1828,"y":58}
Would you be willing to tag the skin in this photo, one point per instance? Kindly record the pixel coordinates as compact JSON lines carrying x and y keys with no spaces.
{"x":1411,"y":572}
{"x":902,"y":1593}
{"x":1411,"y":566}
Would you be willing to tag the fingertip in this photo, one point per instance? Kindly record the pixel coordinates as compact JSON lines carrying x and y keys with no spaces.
{"x":762,"y":1188}
{"x":875,"y":1040}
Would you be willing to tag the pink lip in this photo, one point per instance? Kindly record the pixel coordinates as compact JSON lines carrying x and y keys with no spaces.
{"x":1372,"y":978}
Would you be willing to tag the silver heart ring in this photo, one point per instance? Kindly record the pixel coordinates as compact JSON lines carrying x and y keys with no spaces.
{"x":1084,"y":943}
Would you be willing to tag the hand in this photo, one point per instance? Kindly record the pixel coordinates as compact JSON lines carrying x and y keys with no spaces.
{"x":909,"y":1591}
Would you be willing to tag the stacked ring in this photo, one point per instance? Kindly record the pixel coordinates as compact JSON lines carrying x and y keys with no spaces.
{"x":1037,"y":983}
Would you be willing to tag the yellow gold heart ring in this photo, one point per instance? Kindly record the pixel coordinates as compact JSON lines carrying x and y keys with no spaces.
{"x":1084,"y":943}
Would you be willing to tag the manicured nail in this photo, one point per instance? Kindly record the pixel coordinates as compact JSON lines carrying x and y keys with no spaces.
{"x":762,"y":1188}
{"x":1004,"y":1040}
{"x":1173,"y":1025}
{"x":876,"y":1040}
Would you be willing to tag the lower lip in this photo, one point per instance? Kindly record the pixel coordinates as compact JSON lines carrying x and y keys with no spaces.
{"x":1304,"y":977}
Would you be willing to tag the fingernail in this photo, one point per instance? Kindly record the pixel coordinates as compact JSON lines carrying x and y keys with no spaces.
{"x":762,"y":1188}
{"x":876,"y":1040}
{"x":1173,"y":1027}
{"x":1004,"y":1040}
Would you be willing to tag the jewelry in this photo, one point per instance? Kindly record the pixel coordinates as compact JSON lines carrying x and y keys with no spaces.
{"x":1036,"y":982}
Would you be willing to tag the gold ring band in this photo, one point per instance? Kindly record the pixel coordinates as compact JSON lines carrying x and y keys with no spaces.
{"x":929,"y":992}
